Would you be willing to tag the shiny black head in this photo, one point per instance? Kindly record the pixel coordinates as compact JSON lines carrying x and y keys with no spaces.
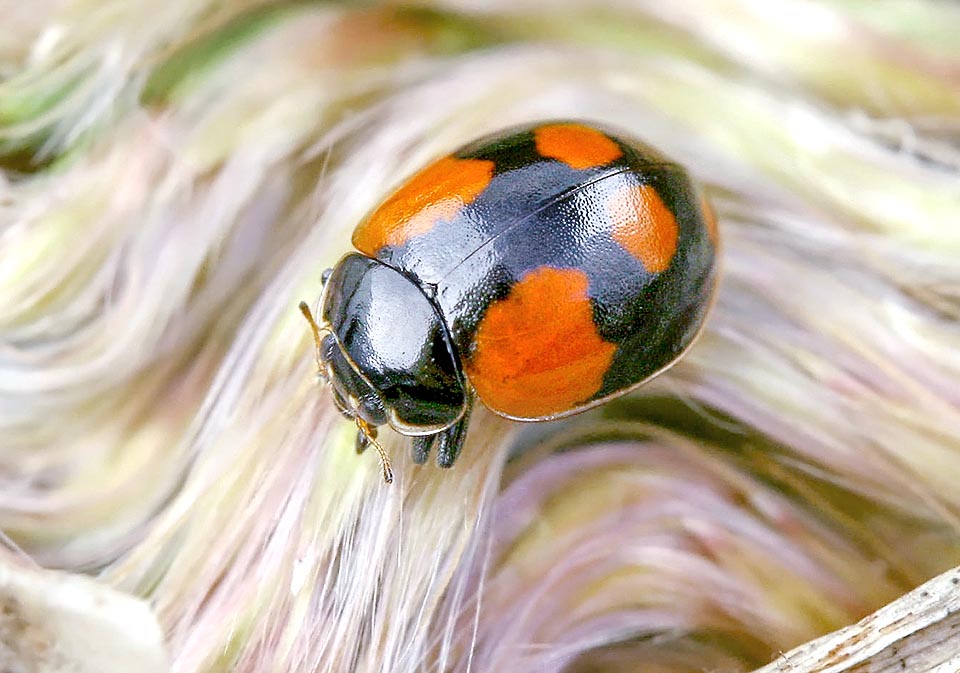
{"x":351,"y":393}
{"x":387,"y":354}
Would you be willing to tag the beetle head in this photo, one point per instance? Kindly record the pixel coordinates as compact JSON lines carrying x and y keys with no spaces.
{"x":353,"y":395}
{"x":386,"y":353}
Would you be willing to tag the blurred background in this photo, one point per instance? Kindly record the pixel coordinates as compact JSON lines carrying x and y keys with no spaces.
{"x":176,"y":175}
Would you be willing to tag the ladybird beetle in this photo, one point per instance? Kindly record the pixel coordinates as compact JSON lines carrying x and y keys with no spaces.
{"x":543,"y":270}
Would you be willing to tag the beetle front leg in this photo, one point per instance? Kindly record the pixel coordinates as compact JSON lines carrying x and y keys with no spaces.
{"x":363,"y":442}
{"x":421,"y":448}
{"x":451,"y":440}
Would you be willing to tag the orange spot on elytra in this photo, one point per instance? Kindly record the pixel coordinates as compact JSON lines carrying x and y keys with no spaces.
{"x":576,"y":145}
{"x":644,"y":226}
{"x":537,"y":351}
{"x":436,"y":193}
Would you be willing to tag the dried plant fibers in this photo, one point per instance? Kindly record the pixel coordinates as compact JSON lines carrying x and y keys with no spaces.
{"x":175,"y":176}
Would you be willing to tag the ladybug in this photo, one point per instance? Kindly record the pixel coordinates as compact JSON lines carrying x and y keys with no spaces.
{"x":541,"y":270}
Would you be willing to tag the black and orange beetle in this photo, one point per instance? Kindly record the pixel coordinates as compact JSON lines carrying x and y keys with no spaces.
{"x":542,"y":270}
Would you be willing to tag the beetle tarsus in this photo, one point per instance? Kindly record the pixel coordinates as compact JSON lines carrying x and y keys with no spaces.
{"x":421,"y":448}
{"x":450,"y":441}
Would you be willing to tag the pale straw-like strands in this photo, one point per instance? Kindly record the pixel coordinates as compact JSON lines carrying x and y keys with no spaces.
{"x":159,"y":425}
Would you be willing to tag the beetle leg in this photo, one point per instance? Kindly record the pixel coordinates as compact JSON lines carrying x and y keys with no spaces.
{"x":450,"y":440}
{"x":421,"y":448}
{"x":371,"y":434}
{"x":363,"y":442}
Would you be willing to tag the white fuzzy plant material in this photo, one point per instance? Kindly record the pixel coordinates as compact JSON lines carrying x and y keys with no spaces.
{"x":54,"y":622}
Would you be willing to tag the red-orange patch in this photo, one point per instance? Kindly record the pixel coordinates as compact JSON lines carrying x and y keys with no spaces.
{"x":537,"y":351}
{"x":644,"y":226}
{"x":576,"y":145}
{"x":436,"y":193}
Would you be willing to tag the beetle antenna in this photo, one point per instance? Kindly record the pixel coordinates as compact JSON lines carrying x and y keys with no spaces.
{"x":305,"y":310}
{"x":371,"y":434}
